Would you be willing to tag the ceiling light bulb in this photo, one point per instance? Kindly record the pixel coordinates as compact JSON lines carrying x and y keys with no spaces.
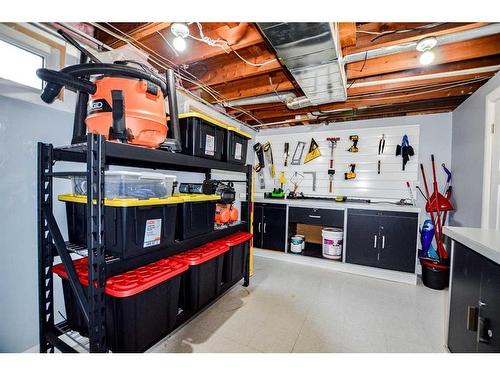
{"x":427,"y":58}
{"x":179,"y":43}
{"x":180,"y":29}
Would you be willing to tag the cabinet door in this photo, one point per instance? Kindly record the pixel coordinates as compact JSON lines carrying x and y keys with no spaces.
{"x":466,"y":277}
{"x":363,"y":236}
{"x":489,"y":308}
{"x":257,"y":225}
{"x":274,"y":228}
{"x":398,"y":241}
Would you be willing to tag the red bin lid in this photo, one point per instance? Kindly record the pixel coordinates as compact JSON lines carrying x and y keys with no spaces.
{"x":131,"y":282}
{"x":202,"y":254}
{"x":236,"y":238}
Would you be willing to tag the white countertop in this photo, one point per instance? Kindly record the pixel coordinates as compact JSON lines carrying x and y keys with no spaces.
{"x":484,"y":241}
{"x":319,"y":203}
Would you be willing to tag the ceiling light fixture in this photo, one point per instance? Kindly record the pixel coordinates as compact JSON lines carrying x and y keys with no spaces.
{"x":425,"y":46}
{"x":181,"y":32}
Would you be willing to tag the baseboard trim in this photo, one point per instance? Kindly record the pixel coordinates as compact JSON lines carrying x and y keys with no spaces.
{"x":401,"y":277}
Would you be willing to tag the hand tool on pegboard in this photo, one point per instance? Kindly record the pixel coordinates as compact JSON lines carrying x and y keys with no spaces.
{"x":354,"y":139}
{"x":351,"y":175}
{"x":297,"y":154}
{"x":313,"y":152}
{"x":331,"y":171}
{"x":313,"y":175}
{"x":381,"y":145}
{"x":286,"y":154}
{"x":268,"y":152}
{"x":259,"y":167}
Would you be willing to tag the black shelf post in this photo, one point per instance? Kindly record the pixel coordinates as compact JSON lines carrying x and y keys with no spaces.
{"x":96,"y":158}
{"x":45,"y":257}
{"x":249,"y":172}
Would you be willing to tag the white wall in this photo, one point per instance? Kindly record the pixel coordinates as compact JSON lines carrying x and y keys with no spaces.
{"x":468,"y":156}
{"x":434,"y":138}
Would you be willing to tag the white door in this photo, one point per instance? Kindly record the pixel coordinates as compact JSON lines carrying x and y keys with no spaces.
{"x":494,"y":219}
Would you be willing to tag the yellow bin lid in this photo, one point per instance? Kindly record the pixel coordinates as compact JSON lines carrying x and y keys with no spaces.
{"x":213,"y":121}
{"x":123,"y":202}
{"x":197,"y":197}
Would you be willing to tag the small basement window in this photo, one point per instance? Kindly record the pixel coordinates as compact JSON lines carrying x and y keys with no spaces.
{"x":19,"y":65}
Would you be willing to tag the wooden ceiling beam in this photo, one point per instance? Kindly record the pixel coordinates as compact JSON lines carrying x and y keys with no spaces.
{"x":471,"y":49}
{"x":364,"y":41}
{"x":369,"y":102}
{"x":230,"y":68}
{"x":142,"y":32}
{"x":347,"y":34}
{"x":254,"y":86}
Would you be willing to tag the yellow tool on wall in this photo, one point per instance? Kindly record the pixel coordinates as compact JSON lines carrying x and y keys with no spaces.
{"x":313,"y":152}
{"x":268,"y":152}
{"x":354,"y":147}
{"x":351,"y":175}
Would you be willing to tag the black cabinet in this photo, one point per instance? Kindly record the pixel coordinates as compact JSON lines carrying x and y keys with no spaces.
{"x":269,"y":225}
{"x":384,"y":239}
{"x":474,"y":320}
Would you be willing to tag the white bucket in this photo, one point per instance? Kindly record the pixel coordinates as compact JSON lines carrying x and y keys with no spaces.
{"x":332,"y":242}
{"x":296,"y":244}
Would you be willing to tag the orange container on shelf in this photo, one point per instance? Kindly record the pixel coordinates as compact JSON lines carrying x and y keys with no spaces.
{"x":143,"y":107}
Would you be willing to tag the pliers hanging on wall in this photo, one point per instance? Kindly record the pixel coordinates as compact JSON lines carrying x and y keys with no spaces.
{"x":381,"y":145}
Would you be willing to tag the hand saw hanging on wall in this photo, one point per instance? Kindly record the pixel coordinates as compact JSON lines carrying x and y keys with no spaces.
{"x":268,"y":152}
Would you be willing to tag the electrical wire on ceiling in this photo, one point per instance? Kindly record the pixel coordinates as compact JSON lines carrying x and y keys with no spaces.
{"x":165,"y":63}
{"x":224,"y":44}
{"x":381,"y":34}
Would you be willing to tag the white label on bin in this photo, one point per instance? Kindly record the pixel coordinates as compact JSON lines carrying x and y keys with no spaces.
{"x":152,"y":233}
{"x":237,"y":151}
{"x":210,"y":145}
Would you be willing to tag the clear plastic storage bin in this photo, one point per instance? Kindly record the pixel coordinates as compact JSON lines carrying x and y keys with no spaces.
{"x":125,"y":184}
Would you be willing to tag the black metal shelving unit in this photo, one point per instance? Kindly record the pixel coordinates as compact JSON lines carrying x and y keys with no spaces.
{"x":98,"y":154}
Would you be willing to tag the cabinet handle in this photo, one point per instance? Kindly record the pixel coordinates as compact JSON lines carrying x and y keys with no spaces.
{"x":472,"y":318}
{"x":375,"y":241}
{"x":259,"y":227}
{"x":383,"y":242}
{"x":264,"y":227}
{"x":315,"y":216}
{"x":484,"y":333}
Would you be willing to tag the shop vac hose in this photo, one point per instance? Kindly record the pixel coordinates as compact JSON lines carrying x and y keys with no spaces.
{"x":57,"y":80}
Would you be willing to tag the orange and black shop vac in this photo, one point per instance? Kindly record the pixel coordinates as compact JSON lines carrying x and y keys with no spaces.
{"x":122,"y":102}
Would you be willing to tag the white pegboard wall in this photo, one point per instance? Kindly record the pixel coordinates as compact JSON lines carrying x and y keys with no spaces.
{"x":389,"y":184}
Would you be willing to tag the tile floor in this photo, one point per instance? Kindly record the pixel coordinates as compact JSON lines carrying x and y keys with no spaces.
{"x":296,"y":308}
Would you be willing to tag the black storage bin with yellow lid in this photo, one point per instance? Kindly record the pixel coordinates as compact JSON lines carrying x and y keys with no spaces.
{"x":202,"y":282}
{"x":132,"y":226}
{"x":141,"y":304}
{"x":236,"y":144}
{"x":196,"y":216}
{"x":201,"y":136}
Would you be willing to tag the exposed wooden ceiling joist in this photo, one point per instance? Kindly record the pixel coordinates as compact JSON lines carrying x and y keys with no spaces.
{"x":471,"y":49}
{"x":367,"y":102}
{"x":142,"y":32}
{"x":229,"y":68}
{"x":347,"y":34}
{"x":370,"y":41}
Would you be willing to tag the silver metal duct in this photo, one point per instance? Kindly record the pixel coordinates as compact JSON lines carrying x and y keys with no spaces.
{"x":311,"y":52}
{"x":280,"y":97}
{"x":459,"y":36}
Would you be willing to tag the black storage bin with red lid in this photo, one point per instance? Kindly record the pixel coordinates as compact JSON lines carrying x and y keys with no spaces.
{"x":202,"y":282}
{"x":235,"y":260}
{"x":141,"y":304}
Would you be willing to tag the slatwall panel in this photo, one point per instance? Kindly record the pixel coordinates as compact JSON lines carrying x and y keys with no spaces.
{"x":390,"y":184}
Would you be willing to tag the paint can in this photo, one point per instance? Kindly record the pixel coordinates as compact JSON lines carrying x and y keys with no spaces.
{"x":296,"y":244}
{"x":332,"y":243}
